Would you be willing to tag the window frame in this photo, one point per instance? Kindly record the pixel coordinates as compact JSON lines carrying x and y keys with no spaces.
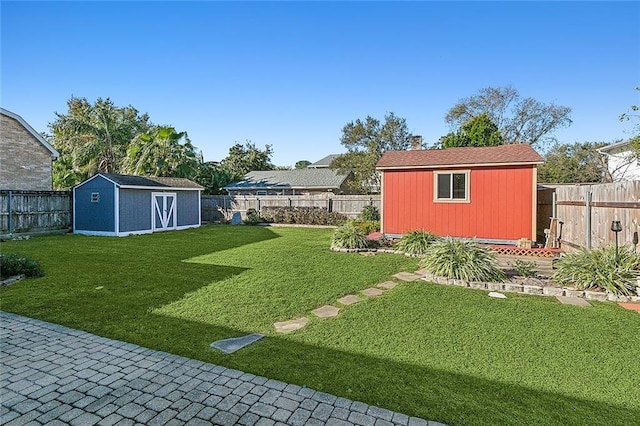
{"x":95,"y":197}
{"x":467,"y":176}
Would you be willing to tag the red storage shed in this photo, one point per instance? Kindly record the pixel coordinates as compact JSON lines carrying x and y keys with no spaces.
{"x":484,"y":192}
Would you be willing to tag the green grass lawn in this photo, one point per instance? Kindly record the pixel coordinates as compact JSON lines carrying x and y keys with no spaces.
{"x":441,"y":353}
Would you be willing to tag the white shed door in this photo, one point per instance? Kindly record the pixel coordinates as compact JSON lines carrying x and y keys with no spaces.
{"x":163,"y":211}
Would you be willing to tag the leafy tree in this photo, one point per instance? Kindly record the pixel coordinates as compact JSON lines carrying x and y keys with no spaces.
{"x":302,"y":164}
{"x":519,"y":120}
{"x":161,"y":151}
{"x":366,"y":141}
{"x":245,"y":158}
{"x":214,"y":177}
{"x":92,"y":138}
{"x":634,"y":113}
{"x":577,"y":163}
{"x":478,"y":131}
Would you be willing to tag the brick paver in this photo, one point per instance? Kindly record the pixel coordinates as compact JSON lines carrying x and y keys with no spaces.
{"x":51,"y":374}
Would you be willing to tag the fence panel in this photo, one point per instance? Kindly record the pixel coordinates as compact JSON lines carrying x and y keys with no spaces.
{"x":222,"y":207}
{"x":588,"y":210}
{"x":34,"y":211}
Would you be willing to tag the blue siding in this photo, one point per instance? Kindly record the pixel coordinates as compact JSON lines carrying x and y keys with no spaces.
{"x":98,"y":216}
{"x":188,"y":208}
{"x":135,"y":210}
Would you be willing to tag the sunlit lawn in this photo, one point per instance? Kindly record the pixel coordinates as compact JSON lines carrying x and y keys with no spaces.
{"x":441,"y":353}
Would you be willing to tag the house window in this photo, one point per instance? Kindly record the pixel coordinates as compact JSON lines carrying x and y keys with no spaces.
{"x":451,"y":186}
{"x":95,"y":197}
{"x":261,"y":192}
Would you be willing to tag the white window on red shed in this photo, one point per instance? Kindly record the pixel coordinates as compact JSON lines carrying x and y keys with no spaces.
{"x":451,"y":186}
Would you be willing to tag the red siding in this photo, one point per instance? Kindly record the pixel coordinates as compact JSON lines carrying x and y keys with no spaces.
{"x":500,"y":207}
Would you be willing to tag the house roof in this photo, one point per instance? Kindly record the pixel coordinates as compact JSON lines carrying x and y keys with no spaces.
{"x":324,"y":162}
{"x":151,"y":181}
{"x":618,"y":146}
{"x":516,"y":154}
{"x":28,"y":128}
{"x":293,"y":179}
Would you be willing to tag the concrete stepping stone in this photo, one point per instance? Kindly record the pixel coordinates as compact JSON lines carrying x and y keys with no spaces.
{"x":497,"y":295}
{"x":631,"y":306}
{"x":387,"y":285}
{"x":291,"y":325}
{"x":326,"y":311}
{"x":235,"y":343}
{"x":407,"y":276}
{"x":349,"y":299}
{"x":372,"y":292}
{"x":570,"y":300}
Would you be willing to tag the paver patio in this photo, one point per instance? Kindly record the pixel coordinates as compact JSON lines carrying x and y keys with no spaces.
{"x":50,"y":374}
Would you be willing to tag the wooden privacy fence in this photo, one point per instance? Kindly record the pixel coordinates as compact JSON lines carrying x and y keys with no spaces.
{"x":34,"y":211}
{"x":586,"y":213}
{"x":222,"y":207}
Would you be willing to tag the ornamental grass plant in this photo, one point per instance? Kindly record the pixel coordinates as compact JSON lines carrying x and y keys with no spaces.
{"x":416,"y":242}
{"x":349,"y":236}
{"x":462,"y":260}
{"x":596,"y":269}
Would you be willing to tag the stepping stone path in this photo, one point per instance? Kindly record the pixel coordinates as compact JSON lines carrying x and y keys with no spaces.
{"x":387,"y":285}
{"x":292,"y":325}
{"x":631,"y":306}
{"x":349,"y":299}
{"x":570,"y":300}
{"x":236,"y":343}
{"x":407,"y":276}
{"x":372,"y":292}
{"x":497,"y":295}
{"x":326,"y":311}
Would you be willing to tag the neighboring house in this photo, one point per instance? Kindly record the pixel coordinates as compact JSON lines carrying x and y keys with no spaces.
{"x":323,"y":163}
{"x":120,"y":205}
{"x":485,"y":192}
{"x":622,"y":161}
{"x":290,"y":182}
{"x":25,"y":156}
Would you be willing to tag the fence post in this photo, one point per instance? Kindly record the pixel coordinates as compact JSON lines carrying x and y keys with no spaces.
{"x":10,"y":214}
{"x":258,"y":203}
{"x":587,"y":220}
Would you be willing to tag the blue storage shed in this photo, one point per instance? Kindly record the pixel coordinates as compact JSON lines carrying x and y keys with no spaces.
{"x":120,"y":205}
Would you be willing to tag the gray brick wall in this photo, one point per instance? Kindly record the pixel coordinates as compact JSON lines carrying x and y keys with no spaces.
{"x":24,"y":162}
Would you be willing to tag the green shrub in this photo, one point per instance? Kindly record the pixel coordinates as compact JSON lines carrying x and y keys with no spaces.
{"x":416,"y":242}
{"x":596,"y":269}
{"x":302,"y":215}
{"x":253,"y":217}
{"x":370,"y":213}
{"x":366,"y":226}
{"x":524,"y":268}
{"x":15,"y":264}
{"x":462,"y":260}
{"x":349,"y":236}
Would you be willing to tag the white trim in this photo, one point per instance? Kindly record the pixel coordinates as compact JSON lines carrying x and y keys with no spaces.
{"x":382,"y":203}
{"x":452,"y":166}
{"x":140,"y":232}
{"x":180,"y":228}
{"x":159,"y":188}
{"x":199,"y":208}
{"x":95,"y":233}
{"x":116,"y":208}
{"x":92,"y":178}
{"x":467,"y":186}
{"x":73,"y":191}
{"x":28,"y":128}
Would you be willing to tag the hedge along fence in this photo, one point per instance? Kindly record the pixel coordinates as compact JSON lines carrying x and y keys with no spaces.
{"x":222,"y":207}
{"x":35,"y":211}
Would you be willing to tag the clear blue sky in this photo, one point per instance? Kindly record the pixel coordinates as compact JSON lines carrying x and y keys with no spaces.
{"x":292,"y":74}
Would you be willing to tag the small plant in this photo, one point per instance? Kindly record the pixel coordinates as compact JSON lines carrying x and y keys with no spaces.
{"x":462,"y":260}
{"x":370,"y":213}
{"x":416,"y":242}
{"x":593,"y":269}
{"x":367,"y":226}
{"x":15,"y":264}
{"x":524,"y":268}
{"x":253,"y":217}
{"x":349,"y":236}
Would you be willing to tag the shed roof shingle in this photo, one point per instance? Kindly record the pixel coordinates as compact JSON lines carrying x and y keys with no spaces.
{"x":301,"y":178}
{"x":465,"y":156}
{"x":160,"y":182}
